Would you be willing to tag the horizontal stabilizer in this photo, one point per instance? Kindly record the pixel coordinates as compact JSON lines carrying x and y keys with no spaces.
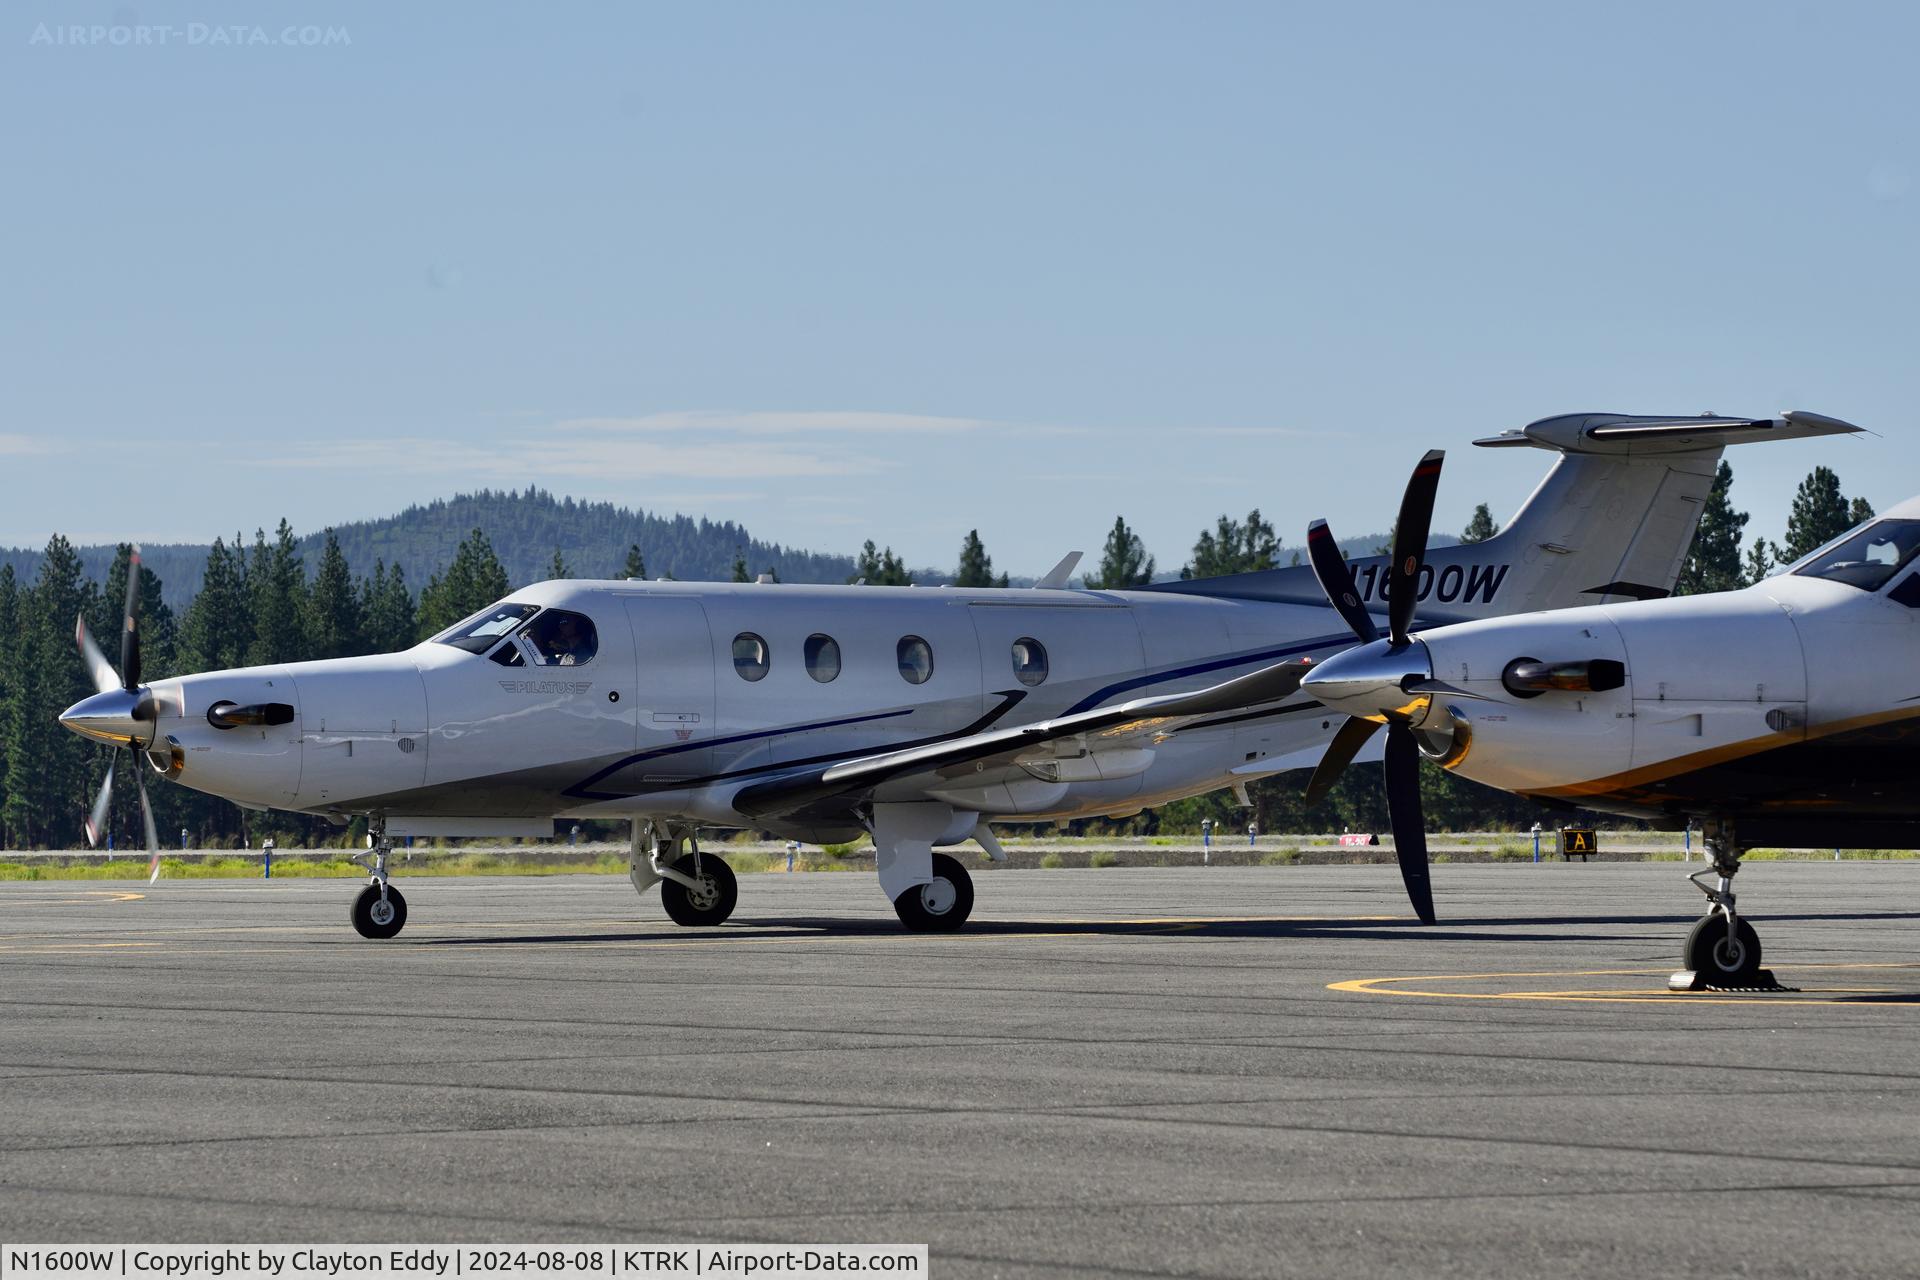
{"x":1630,"y":433}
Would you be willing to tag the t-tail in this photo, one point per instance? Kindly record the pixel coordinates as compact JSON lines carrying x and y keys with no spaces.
{"x":1612,"y":521}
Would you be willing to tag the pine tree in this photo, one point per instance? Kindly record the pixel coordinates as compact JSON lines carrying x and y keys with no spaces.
{"x":473,"y":581}
{"x":1480,"y":527}
{"x":1713,"y":562}
{"x":976,"y":567}
{"x":48,"y":769}
{"x":1124,"y":562}
{"x":636,"y":566}
{"x":386,"y":607}
{"x":1233,"y":547}
{"x":1760,"y":560}
{"x":278,"y":586}
{"x":740,"y":573}
{"x":557,"y":567}
{"x":1860,"y":511}
{"x":9,"y":640}
{"x":879,"y":568}
{"x":334,"y":623}
{"x":159,"y":633}
{"x":1820,"y":514}
{"x":217,"y":631}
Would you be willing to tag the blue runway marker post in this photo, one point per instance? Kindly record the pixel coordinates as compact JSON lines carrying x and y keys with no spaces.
{"x":1206,"y":842}
{"x":793,"y":847}
{"x":1536,"y":842}
{"x":266,"y":849}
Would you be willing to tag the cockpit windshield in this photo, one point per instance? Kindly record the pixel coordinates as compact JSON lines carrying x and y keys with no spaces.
{"x":1867,"y":558}
{"x":480,"y":632}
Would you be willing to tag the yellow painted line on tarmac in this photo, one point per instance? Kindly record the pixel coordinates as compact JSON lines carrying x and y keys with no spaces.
{"x":60,"y":947}
{"x":83,"y":898}
{"x":1832,"y":995}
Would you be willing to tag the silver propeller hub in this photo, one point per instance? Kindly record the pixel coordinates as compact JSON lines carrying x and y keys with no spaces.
{"x":117,"y":717}
{"x":1380,"y":681}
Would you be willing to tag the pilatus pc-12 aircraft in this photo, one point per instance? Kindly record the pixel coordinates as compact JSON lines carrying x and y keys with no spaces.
{"x":1787,"y":713}
{"x":918,"y":716}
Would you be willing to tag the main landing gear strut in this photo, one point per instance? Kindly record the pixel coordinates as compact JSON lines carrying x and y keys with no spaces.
{"x":698,"y":890}
{"x":379,"y":911}
{"x":1722,"y":949}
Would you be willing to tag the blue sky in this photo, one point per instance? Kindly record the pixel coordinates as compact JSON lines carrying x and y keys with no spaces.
{"x":895,"y":271}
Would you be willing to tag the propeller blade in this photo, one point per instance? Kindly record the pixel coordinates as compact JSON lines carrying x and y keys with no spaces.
{"x":130,"y":633}
{"x":1346,"y":744}
{"x":1336,"y":580}
{"x":1410,"y":544}
{"x":96,"y":819}
{"x":98,"y":668}
{"x":153,"y":836}
{"x":1409,"y":824}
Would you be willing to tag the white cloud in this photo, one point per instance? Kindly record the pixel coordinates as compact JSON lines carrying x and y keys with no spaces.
{"x":804,"y":422}
{"x":15,"y":445}
{"x":553,"y":454}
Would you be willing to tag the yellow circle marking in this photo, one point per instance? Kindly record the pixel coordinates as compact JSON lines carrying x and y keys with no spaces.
{"x":1849,"y":995}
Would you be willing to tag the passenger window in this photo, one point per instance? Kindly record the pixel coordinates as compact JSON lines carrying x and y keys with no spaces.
{"x":559,"y":638}
{"x":1029,"y":661}
{"x":916,"y":659}
{"x":823,"y":657}
{"x":750,"y":657}
{"x":508,"y":655}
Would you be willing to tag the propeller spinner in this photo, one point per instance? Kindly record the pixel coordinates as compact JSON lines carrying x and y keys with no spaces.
{"x":1383,"y":681}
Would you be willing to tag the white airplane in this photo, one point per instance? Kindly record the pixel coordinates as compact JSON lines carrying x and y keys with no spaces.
{"x":917,"y":716}
{"x":1774,"y":715}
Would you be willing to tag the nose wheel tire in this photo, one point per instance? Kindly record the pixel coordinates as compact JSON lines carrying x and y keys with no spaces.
{"x":711,"y":903}
{"x":942,"y":905}
{"x":1718,"y":960}
{"x":375,"y":918}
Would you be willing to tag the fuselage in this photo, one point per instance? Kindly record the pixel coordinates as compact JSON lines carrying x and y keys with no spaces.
{"x":682,"y":693}
{"x":1794,"y":701}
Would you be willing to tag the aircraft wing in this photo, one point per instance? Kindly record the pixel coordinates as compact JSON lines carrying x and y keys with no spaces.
{"x":1132,"y":723}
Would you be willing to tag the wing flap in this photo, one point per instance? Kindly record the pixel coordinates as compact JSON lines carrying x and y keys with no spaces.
{"x":1108,"y":727}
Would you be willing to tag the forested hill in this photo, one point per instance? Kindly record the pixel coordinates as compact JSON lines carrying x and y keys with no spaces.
{"x":525,"y":529}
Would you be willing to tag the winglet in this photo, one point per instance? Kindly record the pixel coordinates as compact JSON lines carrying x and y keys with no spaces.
{"x":1056,"y":577}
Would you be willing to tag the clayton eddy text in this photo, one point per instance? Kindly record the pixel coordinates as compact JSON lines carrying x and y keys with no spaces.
{"x":219,"y":1262}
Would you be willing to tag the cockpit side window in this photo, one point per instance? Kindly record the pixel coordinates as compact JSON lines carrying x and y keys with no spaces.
{"x":560,"y":638}
{"x":483,"y":630}
{"x":1869,"y":558}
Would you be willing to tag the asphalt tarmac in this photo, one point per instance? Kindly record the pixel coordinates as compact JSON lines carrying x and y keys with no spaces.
{"x":1219,"y":1072}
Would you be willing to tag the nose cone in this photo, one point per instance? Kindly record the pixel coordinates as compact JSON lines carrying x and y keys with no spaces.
{"x":116,"y":717}
{"x":1373,"y":681}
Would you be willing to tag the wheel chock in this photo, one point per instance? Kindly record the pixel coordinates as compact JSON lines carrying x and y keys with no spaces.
{"x":1689,"y":980}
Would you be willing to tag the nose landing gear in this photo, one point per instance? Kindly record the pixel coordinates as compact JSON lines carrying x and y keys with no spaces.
{"x":697,"y":889}
{"x":1722,"y":949}
{"x":379,"y":911}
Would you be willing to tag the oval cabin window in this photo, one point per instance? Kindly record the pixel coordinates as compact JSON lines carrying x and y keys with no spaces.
{"x":750,"y":656}
{"x":916,"y":659}
{"x":823,"y":657}
{"x":1029,"y":661}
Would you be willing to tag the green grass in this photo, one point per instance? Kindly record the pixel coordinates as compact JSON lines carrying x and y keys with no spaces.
{"x":1104,"y":858}
{"x":1280,"y":858}
{"x":1052,"y":861}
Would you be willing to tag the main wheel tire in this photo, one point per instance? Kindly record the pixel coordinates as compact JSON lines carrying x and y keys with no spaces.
{"x":942,"y":905}
{"x":712,"y":903}
{"x":373,"y":918}
{"x":1709,"y":955}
